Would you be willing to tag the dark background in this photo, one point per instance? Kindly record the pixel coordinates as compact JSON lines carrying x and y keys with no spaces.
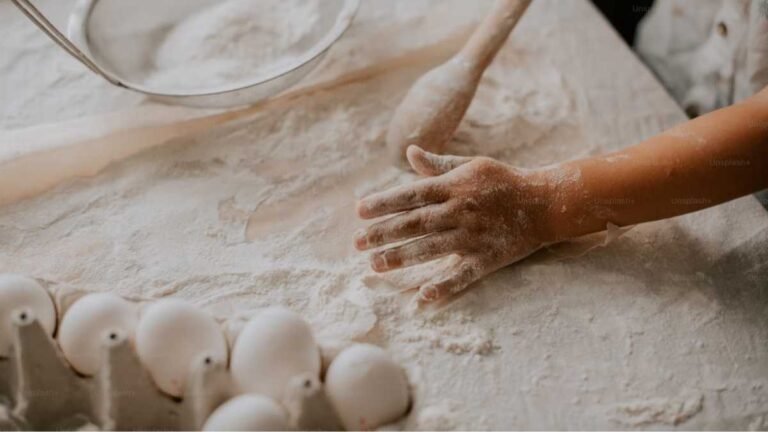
{"x":624,"y":15}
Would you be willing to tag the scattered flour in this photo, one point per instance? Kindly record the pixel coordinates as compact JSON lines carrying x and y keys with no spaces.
{"x":439,"y":417}
{"x":261,"y":213}
{"x":232,"y":41}
{"x":255,"y":214}
{"x":659,"y":411}
{"x":760,"y":423}
{"x":62,"y":87}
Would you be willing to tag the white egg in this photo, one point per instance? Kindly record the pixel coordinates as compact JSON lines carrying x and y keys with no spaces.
{"x":275,"y":346}
{"x":171,"y":335}
{"x":20,"y":292}
{"x":248,"y":412}
{"x":367,"y":388}
{"x":85,"y":324}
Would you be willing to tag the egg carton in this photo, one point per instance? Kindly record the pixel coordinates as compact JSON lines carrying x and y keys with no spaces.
{"x":40,"y":391}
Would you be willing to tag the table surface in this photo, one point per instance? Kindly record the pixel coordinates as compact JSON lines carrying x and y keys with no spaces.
{"x":664,"y":327}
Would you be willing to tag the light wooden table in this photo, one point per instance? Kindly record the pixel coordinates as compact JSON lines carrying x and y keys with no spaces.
{"x":665,"y":328}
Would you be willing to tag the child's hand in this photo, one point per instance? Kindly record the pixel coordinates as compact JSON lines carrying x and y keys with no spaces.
{"x":484,"y":211}
{"x":491,"y":215}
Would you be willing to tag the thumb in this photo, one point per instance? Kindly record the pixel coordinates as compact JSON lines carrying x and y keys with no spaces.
{"x":430,"y":164}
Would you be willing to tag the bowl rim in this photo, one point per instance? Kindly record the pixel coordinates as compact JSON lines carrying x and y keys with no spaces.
{"x":77,"y":30}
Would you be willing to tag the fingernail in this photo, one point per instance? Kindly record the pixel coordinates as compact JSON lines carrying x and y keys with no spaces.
{"x":378,"y":262}
{"x":428,"y":293}
{"x":361,"y":240}
{"x":362,"y":210}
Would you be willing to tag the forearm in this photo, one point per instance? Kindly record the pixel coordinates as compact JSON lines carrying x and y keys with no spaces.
{"x":703,"y":162}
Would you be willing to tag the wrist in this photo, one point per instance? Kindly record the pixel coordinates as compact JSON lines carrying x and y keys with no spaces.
{"x":563,"y":197}
{"x":537,"y":195}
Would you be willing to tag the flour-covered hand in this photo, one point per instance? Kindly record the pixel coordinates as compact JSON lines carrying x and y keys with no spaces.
{"x":487,"y":213}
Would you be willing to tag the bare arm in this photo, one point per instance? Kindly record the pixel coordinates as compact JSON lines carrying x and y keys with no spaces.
{"x":706,"y":161}
{"x":490,"y":214}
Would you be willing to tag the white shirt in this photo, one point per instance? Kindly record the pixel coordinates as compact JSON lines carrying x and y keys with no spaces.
{"x":708,"y":53}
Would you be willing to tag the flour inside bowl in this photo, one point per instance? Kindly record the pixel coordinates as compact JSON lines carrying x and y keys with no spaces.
{"x":233,"y":41}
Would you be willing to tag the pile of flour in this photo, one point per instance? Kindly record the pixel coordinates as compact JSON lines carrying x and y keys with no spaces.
{"x":232,"y":41}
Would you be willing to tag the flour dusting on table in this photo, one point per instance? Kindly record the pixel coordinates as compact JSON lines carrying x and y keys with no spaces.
{"x":261,"y":213}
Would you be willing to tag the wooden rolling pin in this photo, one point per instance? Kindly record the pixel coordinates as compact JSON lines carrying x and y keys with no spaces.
{"x":431,"y":111}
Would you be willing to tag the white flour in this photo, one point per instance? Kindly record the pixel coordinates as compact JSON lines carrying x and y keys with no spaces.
{"x":261,"y":213}
{"x":233,"y":41}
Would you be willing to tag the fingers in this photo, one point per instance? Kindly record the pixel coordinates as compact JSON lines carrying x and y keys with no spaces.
{"x":430,"y":164}
{"x":417,"y":251}
{"x":402,"y":198}
{"x":419,"y":194}
{"x":467,"y":271}
{"x":415,"y":223}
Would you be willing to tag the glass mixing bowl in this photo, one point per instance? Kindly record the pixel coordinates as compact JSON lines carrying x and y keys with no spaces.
{"x":120,"y":39}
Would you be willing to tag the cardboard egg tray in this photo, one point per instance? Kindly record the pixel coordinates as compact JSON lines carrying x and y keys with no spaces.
{"x":40,"y":391}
